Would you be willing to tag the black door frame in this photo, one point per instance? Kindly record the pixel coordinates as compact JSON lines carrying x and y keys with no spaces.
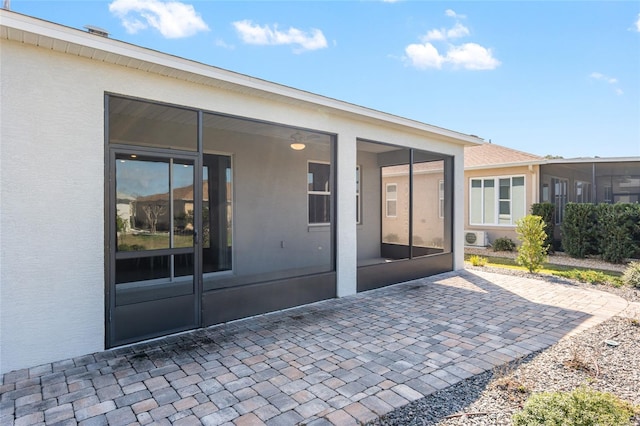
{"x":179,"y":307}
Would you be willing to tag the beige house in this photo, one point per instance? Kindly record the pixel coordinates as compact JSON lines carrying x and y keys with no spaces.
{"x":426,"y":233}
{"x":501,"y":185}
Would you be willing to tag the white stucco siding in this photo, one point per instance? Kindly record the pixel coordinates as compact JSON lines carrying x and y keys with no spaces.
{"x":51,"y":220}
{"x":458,"y":209}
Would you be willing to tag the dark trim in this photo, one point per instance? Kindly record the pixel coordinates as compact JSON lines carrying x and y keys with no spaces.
{"x":383,"y":274}
{"x":403,"y":251}
{"x":449,"y":204}
{"x":233,"y":303}
{"x":221,"y":114}
{"x":143,"y":321}
{"x":197,"y":219}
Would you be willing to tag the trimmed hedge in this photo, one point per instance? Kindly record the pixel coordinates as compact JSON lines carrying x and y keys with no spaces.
{"x":579,"y":230}
{"x":546,"y":211}
{"x":611,"y":231}
{"x":618,"y":231}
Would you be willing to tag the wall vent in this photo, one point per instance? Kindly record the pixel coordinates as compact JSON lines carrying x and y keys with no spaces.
{"x":96,"y":30}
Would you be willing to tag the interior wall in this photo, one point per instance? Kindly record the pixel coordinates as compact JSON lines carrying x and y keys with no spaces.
{"x":270,"y":184}
{"x":369,"y":229}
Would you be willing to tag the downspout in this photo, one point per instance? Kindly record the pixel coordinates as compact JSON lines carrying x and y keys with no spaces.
{"x":535,"y":185}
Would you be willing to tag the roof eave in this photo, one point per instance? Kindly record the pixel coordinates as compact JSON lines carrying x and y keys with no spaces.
{"x":505,"y":165}
{"x":15,"y":26}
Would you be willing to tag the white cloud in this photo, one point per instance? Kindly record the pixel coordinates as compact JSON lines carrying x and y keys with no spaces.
{"x":252,"y":33}
{"x":458,"y":31}
{"x":424,"y":56}
{"x":612,"y":81}
{"x":637,"y":24}
{"x":452,"y":14}
{"x":469,"y":56}
{"x":172,"y":18}
{"x":435,"y":35}
{"x":221,"y":43}
{"x":599,"y":76}
{"x":472,"y":56}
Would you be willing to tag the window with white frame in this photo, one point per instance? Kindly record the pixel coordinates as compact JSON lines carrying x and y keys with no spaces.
{"x":497,"y":200}
{"x":319,"y":193}
{"x":391,"y":199}
{"x":441,"y":199}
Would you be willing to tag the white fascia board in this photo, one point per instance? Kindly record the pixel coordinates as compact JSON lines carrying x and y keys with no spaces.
{"x":14,"y":22}
{"x":505,"y":165}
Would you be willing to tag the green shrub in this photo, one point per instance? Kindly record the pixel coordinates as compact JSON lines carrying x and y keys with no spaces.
{"x":532,"y":253}
{"x":589,"y":276}
{"x":503,"y":244}
{"x":631,"y":275}
{"x":581,"y":407}
{"x":579,"y":230}
{"x":478,"y":260}
{"x":618,"y":231}
{"x":546,"y":211}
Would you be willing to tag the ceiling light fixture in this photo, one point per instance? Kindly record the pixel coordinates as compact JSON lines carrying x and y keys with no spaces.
{"x":297,"y":144}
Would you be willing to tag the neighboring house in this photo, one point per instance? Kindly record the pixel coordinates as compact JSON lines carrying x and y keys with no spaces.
{"x":589,"y":180}
{"x":426,"y":232}
{"x":501,"y":184}
{"x":260,"y":208}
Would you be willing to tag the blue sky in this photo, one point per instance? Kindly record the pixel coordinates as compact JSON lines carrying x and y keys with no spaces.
{"x":545,"y":77}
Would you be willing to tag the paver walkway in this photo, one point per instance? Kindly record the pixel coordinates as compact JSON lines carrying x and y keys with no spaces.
{"x":339,"y":362}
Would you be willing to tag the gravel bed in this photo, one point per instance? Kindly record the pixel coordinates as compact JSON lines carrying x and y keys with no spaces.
{"x":558,"y":258}
{"x":491,"y":398}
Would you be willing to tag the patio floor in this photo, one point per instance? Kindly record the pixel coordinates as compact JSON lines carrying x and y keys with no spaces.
{"x":338,"y":362}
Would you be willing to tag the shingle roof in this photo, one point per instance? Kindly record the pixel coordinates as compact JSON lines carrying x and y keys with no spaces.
{"x":489,"y":154}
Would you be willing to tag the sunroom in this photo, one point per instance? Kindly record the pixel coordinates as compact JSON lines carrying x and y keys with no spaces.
{"x":166,"y":195}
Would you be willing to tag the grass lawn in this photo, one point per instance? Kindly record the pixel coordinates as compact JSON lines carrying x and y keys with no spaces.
{"x":594,"y":276}
{"x":135,"y":242}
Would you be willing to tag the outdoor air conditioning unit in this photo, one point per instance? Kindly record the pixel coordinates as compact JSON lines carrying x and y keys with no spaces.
{"x":475,"y":238}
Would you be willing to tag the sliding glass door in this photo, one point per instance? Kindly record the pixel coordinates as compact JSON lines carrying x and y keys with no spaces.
{"x":155,"y":246}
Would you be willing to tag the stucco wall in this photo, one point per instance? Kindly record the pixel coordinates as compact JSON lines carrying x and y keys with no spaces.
{"x":52,"y":185}
{"x":369,"y":229}
{"x":52,"y":188}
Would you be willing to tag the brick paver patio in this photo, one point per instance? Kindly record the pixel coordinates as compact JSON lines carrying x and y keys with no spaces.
{"x":338,"y":362}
